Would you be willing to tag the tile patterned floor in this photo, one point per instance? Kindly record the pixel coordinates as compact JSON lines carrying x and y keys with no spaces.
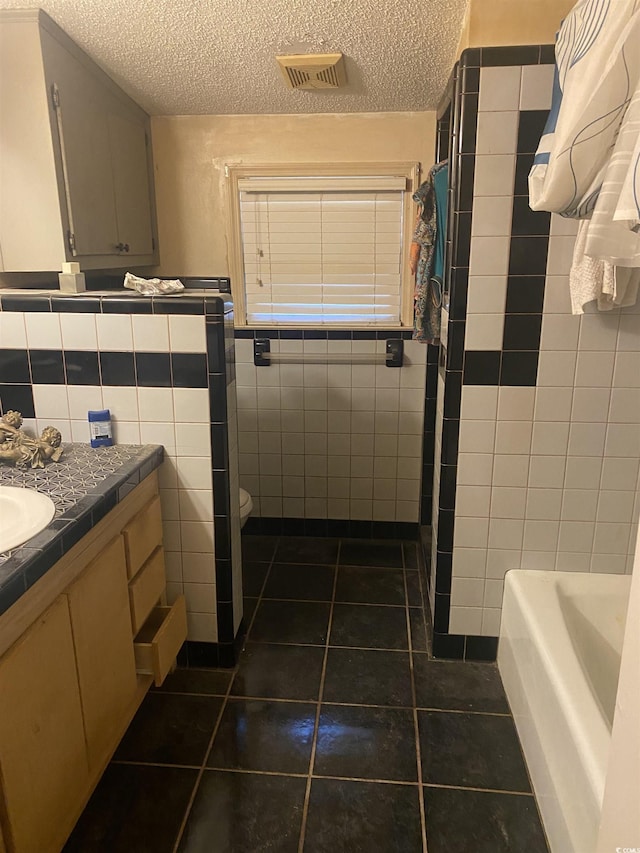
{"x":335,"y":734}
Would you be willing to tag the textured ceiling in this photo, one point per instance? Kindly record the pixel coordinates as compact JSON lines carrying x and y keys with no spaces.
{"x":180,"y":57}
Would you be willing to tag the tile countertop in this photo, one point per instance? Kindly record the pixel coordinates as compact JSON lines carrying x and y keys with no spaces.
{"x":84,"y":486}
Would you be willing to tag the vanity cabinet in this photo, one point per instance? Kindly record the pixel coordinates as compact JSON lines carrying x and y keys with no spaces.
{"x":78,"y":653}
{"x":75,"y":156}
{"x":43,"y":756}
{"x":99,"y":608}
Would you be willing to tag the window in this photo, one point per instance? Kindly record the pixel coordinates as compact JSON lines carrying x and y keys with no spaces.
{"x":326,"y":249}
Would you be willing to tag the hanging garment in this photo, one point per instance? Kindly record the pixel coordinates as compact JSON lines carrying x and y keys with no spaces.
{"x":427,"y":254}
{"x":597,"y":72}
{"x":588,"y":162}
{"x":594,"y":279}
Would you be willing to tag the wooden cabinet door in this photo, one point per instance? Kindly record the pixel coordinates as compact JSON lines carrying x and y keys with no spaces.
{"x":43,"y":759}
{"x":101,"y":624}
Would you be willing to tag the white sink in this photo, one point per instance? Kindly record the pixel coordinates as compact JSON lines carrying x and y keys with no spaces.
{"x":23,"y":513}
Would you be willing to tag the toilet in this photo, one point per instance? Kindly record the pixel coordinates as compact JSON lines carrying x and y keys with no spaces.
{"x":246,"y":505}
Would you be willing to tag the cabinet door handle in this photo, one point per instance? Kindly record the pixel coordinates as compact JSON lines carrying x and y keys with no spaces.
{"x":122,"y":247}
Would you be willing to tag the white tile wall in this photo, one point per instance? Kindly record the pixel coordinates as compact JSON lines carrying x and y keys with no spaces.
{"x":176,"y":418}
{"x":336,"y":441}
{"x":548,"y":477}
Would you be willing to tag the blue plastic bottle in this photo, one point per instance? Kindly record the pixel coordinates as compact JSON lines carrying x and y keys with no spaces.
{"x":100,"y":428}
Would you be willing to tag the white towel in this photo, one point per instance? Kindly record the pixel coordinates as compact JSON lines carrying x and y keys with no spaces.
{"x":594,"y":279}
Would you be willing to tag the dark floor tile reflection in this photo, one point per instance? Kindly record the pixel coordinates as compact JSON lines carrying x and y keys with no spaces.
{"x":418,"y":630}
{"x":210,"y":682}
{"x":262,"y":735}
{"x":134,"y":808}
{"x":414,"y":590}
{"x":244,"y":813}
{"x":249,"y":608}
{"x":482,"y":821}
{"x":362,"y":552}
{"x":307,"y":549}
{"x":368,"y":677}
{"x":253,"y":577}
{"x":291,"y":622}
{"x":368,"y":743}
{"x":369,"y":626}
{"x":259,"y":548}
{"x":455,"y":686}
{"x":366,"y":585}
{"x":471,"y":751}
{"x":171,"y":729}
{"x":411,"y":555}
{"x":362,"y":817}
{"x":302,"y":581}
{"x":279,"y":671}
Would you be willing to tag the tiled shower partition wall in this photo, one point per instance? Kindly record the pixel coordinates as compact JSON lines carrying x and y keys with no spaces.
{"x":537,"y":426}
{"x":331,"y":448}
{"x":165,"y":368}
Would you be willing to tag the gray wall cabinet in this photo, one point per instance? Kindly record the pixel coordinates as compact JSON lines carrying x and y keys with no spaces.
{"x":76,"y":173}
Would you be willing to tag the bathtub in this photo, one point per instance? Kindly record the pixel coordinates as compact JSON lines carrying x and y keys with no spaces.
{"x":559,"y":658}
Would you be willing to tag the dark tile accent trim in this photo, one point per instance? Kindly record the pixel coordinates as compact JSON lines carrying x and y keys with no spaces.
{"x":481,"y":648}
{"x":81,"y":305}
{"x":17,"y":398}
{"x":518,"y":55}
{"x":81,"y":367}
{"x":24,"y":303}
{"x":153,"y":369}
{"x":189,"y":370}
{"x":448,"y":646}
{"x":126,"y":305}
{"x":482,"y":367}
{"x":522,"y":331}
{"x":117,"y":368}
{"x":528,"y":255}
{"x":530,"y":129}
{"x":14,"y":366}
{"x":525,"y":294}
{"x":47,"y":367}
{"x":519,"y":368}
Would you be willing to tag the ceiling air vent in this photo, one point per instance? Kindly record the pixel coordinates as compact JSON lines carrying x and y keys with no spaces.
{"x":313,"y":70}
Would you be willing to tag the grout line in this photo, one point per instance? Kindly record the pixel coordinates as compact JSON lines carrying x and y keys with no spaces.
{"x":165,"y":764}
{"x":423,"y":824}
{"x":484,"y":790}
{"x":321,"y":646}
{"x":307,"y":795}
{"x":373,"y":781}
{"x":330,"y":601}
{"x":202,"y":768}
{"x":423,"y":572}
{"x":219,"y":719}
{"x":245,"y":771}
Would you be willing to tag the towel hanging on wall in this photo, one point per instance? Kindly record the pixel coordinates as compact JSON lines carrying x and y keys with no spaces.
{"x":427,"y":254}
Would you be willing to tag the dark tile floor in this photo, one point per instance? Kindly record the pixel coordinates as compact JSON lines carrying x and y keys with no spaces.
{"x":335,"y":734}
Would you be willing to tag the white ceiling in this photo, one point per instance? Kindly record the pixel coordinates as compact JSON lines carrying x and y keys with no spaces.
{"x":187,"y":57}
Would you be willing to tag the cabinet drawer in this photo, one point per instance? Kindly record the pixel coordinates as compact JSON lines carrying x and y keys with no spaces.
{"x":142,"y":535}
{"x":146,"y":588}
{"x":160,"y":639}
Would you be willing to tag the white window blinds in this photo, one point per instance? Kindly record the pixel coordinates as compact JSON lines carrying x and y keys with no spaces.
{"x":322,"y":250}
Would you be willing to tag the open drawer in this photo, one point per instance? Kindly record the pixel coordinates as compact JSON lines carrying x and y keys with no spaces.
{"x":159,"y":640}
{"x":146,"y":588}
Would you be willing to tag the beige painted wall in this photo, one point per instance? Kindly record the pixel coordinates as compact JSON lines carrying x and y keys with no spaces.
{"x":190,"y":153}
{"x":502,"y":22}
